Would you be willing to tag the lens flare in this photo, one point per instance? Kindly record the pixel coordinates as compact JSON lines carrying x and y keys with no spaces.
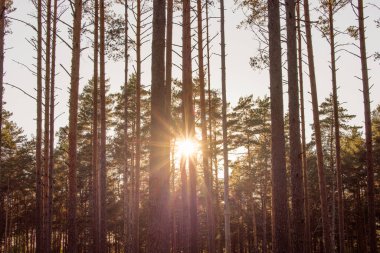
{"x":186,"y":147}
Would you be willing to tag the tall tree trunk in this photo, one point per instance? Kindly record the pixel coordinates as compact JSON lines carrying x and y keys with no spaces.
{"x":95,"y":143}
{"x":46,"y":236}
{"x":52,"y":118}
{"x":227,"y":211}
{"x":73,"y":122}
{"x":136,"y":220}
{"x":2,"y":34}
{"x":168,"y":89}
{"x":254,"y":225}
{"x":126,"y":192}
{"x":159,"y":175}
{"x":103,"y":133}
{"x":280,"y":226}
{"x":368,"y":132}
{"x":337,"y":130}
{"x":297,"y":189}
{"x":205,"y":150}
{"x":307,"y":235}
{"x":317,"y":129}
{"x":189,"y":124}
{"x":185,"y":241}
{"x":39,"y":205}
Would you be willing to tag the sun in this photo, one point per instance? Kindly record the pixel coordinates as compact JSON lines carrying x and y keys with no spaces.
{"x":186,"y":147}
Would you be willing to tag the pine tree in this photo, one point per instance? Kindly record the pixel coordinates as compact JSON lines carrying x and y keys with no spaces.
{"x":73,"y":121}
{"x":368,"y":131}
{"x":280,"y":227}
{"x":297,"y":189}
{"x":159,"y":174}
{"x":321,"y":170}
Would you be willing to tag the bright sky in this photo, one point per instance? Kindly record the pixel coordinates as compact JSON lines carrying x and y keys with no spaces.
{"x":241,"y":79}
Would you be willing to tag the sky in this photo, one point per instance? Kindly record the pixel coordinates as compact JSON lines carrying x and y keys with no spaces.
{"x":242,"y":80}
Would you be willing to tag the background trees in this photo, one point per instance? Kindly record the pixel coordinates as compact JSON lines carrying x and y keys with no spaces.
{"x":150,"y":158}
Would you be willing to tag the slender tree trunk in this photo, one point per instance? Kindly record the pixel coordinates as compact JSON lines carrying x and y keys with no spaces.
{"x":227,"y":211}
{"x":73,"y":121}
{"x":136,"y":221}
{"x":95,"y":143}
{"x":168,"y":89}
{"x":2,"y":34}
{"x":159,"y":175}
{"x":280,"y":226}
{"x":185,"y":208}
{"x":307,"y":235}
{"x":254,"y":225}
{"x":52,"y":115}
{"x":294,"y":131}
{"x":337,"y":130}
{"x":264,"y":213}
{"x":103,"y":133}
{"x":46,"y":236}
{"x":126,"y":169}
{"x":317,"y":129}
{"x":205,"y":150}
{"x":189,"y":124}
{"x":368,"y":132}
{"x":39,"y":205}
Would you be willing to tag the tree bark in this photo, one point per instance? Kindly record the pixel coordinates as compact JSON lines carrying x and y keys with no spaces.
{"x":189,"y":124}
{"x":103,"y":134}
{"x":205,"y":150}
{"x":297,"y":189}
{"x":368,"y":132}
{"x":126,"y":193}
{"x":52,"y":118}
{"x":336,"y":130}
{"x":136,"y":215}
{"x":307,"y":236}
{"x":227,"y":211}
{"x":39,"y":205}
{"x":280,"y":226}
{"x":46,"y":236}
{"x":2,"y":34}
{"x":159,"y":174}
{"x":73,"y":122}
{"x":185,"y":239}
{"x":95,"y":143}
{"x":254,"y":225}
{"x":317,"y":129}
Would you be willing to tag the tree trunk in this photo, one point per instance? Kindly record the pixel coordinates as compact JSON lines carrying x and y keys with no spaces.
{"x":307,"y":236}
{"x":95,"y":143}
{"x":136,"y":220}
{"x":294,"y":131}
{"x":254,"y":225}
{"x":73,"y":122}
{"x":46,"y":236}
{"x":2,"y":34}
{"x":39,"y":205}
{"x":168,"y":148}
{"x":185,"y":240}
{"x":317,"y":129}
{"x":337,"y":130}
{"x":126,"y":193}
{"x":205,"y":150}
{"x":189,"y":124}
{"x":103,"y":134}
{"x":52,"y":118}
{"x":227,"y":211}
{"x":280,"y":226}
{"x":368,"y":132}
{"x":159,"y":175}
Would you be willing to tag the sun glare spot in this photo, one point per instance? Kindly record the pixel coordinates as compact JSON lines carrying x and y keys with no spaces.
{"x":186,"y":147}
